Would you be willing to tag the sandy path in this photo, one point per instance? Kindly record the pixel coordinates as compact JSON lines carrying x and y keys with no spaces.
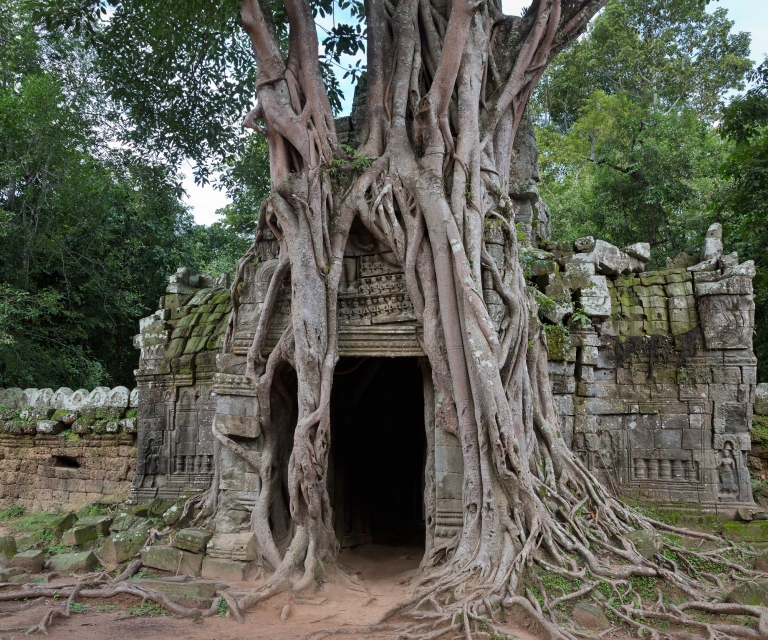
{"x":377,"y":582}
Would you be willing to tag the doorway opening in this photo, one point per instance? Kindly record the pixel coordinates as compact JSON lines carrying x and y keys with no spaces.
{"x":378,"y":449}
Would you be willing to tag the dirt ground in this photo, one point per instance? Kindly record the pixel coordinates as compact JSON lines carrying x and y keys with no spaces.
{"x":377,"y":581}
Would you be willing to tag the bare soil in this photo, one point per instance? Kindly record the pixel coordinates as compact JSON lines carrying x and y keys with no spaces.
{"x":374,"y":579}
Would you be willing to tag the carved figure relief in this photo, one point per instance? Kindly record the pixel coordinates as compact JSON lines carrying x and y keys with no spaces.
{"x":727,"y":469}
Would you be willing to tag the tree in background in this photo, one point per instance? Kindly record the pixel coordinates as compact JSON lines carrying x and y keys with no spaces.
{"x":626,"y":119}
{"x":91,"y":227}
{"x":743,"y":204}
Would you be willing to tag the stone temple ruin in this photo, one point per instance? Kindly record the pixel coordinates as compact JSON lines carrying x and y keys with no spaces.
{"x":653,"y":373}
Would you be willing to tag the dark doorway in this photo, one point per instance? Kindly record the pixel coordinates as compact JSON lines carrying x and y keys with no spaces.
{"x":378,"y":451}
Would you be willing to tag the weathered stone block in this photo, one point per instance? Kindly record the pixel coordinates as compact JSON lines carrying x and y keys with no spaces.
{"x":74,"y":562}
{"x":737,"y":285}
{"x":746,"y":532}
{"x":196,"y":594}
{"x":727,"y":321}
{"x":222,"y":569}
{"x":564,"y":405}
{"x":761,"y":399}
{"x":79,"y":534}
{"x":241,"y":426}
{"x":193,"y":540}
{"x":713,"y":243}
{"x":170,"y":559}
{"x":159,"y":506}
{"x":102,"y":523}
{"x":31,"y":561}
{"x":692,"y":439}
{"x":10,"y":572}
{"x":63,"y":523}
{"x":647,"y":543}
{"x":753,"y":593}
{"x":639,"y":250}
{"x":590,"y":616}
{"x":7,"y":546}
{"x":122,"y":546}
{"x":239,"y":546}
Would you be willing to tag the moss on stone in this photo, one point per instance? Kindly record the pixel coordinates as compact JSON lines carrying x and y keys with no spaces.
{"x":558,"y":341}
{"x":746,"y":531}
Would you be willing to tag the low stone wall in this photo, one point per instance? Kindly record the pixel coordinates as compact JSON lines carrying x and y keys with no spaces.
{"x":64,"y":448}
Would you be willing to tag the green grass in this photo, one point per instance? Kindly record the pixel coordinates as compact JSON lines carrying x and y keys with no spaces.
{"x":12,"y":512}
{"x":148,"y":609}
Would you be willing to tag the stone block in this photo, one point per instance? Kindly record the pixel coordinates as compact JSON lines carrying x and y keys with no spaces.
{"x":159,"y":506}
{"x":237,"y":546}
{"x":585,"y":244}
{"x":172,"y":514}
{"x":639,"y":250}
{"x":590,"y":616}
{"x":79,"y":535}
{"x":31,"y":561}
{"x":170,"y":559}
{"x":588,"y":356}
{"x":7,"y":546}
{"x":668,"y":438}
{"x":692,"y":439}
{"x":50,"y":427}
{"x":713,"y":243}
{"x":222,"y":569}
{"x":193,"y":540}
{"x":679,"y":289}
{"x":727,"y":321}
{"x":753,"y":593}
{"x":197,"y":594}
{"x":241,"y":426}
{"x":102,"y":523}
{"x":737,"y":285}
{"x":8,"y":573}
{"x":564,"y":405}
{"x":63,"y":523}
{"x":120,"y":547}
{"x":647,"y":543}
{"x":74,"y":562}
{"x":761,"y":399}
{"x":756,"y":531}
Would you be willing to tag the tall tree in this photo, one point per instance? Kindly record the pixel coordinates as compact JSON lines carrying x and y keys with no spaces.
{"x":90,"y":227}
{"x":627,"y":123}
{"x":447,"y":86}
{"x":744,"y":203}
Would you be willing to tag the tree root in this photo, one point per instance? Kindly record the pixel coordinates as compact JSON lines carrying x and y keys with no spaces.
{"x":34,"y":595}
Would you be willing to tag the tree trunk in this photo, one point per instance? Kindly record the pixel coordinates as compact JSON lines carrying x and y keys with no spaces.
{"x":447,"y":87}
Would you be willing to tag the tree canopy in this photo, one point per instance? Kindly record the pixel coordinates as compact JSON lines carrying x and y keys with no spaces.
{"x":91,"y":224}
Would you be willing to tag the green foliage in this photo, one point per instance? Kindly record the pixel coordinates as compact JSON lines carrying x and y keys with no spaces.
{"x":661,"y":53}
{"x":148,"y":609}
{"x":221,"y":609}
{"x":744,"y":204}
{"x":759,"y":433}
{"x":91,"y":224}
{"x":580,"y":318}
{"x":645,"y":586}
{"x":625,"y":124}
{"x":12,"y":512}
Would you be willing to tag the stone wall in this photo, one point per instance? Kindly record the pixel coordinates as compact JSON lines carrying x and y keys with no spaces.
{"x":653,"y":371}
{"x":179,"y":344}
{"x":63,"y":449}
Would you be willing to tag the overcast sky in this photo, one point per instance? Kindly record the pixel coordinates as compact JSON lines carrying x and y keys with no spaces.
{"x":749,"y":15}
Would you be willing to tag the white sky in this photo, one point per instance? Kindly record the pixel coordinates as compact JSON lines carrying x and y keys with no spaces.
{"x":749,"y":15}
